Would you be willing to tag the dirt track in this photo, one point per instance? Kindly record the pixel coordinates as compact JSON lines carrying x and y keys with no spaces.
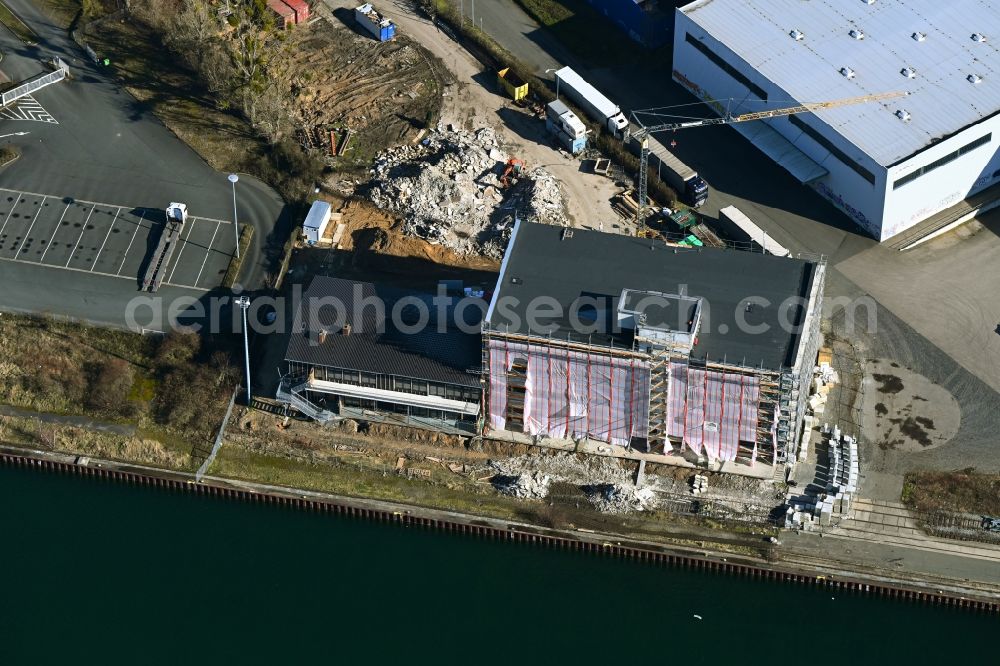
{"x":383,"y":92}
{"x":473,"y":102}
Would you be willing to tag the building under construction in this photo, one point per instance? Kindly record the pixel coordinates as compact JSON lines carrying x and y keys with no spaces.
{"x":693,"y":353}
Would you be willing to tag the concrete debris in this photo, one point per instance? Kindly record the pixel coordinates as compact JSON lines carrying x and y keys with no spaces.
{"x":617,"y":498}
{"x":606,"y":483}
{"x":448,"y":189}
{"x":566,"y":467}
{"x":523,"y":485}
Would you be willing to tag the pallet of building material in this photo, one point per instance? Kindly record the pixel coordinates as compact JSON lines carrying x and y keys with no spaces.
{"x":706,"y":236}
{"x":629,"y":203}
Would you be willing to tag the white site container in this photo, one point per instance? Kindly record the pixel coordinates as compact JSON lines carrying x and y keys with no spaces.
{"x":316,"y":221}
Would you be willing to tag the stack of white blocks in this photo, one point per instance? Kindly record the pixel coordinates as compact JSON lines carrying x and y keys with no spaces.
{"x":842,"y":483}
{"x":699,"y":485}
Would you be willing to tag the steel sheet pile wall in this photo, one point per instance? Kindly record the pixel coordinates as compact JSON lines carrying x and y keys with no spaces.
{"x":712,"y":411}
{"x":572,"y":394}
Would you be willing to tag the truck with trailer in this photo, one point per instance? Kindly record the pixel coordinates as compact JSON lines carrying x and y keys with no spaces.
{"x":690,"y":187}
{"x":512,"y":83}
{"x":737,"y":226}
{"x":594,"y":104}
{"x":566,"y":127}
{"x":380,"y":27}
{"x":176,"y":216}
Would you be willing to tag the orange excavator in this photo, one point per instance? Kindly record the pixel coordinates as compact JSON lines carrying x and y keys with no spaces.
{"x":513,"y":170}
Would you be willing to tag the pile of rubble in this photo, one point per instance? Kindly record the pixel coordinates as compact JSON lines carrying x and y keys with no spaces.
{"x":568,"y":467}
{"x":524,"y":485}
{"x":607,"y":484}
{"x":617,"y":498}
{"x":449,"y":188}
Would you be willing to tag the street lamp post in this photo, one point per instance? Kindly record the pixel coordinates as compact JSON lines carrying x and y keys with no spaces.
{"x":233,"y":178}
{"x":244,"y":303}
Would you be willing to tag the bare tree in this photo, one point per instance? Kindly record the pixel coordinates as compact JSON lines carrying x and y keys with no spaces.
{"x":196,"y":23}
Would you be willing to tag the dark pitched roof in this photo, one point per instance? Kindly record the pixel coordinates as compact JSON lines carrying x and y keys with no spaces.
{"x":542,"y":261}
{"x":375,"y":342}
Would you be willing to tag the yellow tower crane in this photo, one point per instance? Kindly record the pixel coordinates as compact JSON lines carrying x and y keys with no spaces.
{"x":642,"y":135}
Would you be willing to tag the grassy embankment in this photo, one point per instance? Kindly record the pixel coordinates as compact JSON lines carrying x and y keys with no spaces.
{"x":167,"y":396}
{"x":16,"y":25}
{"x":7,"y":155}
{"x":236,"y":262}
{"x":964,"y":491}
{"x":62,"y":12}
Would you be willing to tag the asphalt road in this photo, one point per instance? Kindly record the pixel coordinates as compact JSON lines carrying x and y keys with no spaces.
{"x":506,"y":22}
{"x":104,"y":147}
{"x":936,"y":306}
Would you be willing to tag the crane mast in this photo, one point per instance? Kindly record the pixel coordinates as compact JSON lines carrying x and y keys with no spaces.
{"x":642,"y":135}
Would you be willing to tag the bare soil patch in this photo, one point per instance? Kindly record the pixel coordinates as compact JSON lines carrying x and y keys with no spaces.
{"x":384,"y":93}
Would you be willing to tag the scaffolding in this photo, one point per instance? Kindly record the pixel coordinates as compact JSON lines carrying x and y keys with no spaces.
{"x":660,"y":400}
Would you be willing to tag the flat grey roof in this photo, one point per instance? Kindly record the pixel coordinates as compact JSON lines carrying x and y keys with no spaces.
{"x":375,"y":343}
{"x":588,"y":267}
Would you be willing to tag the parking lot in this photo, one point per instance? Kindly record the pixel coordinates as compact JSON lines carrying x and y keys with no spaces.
{"x":113,"y":241}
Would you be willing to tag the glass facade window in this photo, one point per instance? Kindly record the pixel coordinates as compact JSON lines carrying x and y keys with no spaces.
{"x":936,"y":164}
{"x":726,"y":67}
{"x":834,"y":150}
{"x":389,"y":382}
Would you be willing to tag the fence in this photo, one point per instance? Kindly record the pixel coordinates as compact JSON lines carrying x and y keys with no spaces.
{"x":218,"y":438}
{"x":958,"y":526}
{"x":35,"y":84}
{"x":730,"y":512}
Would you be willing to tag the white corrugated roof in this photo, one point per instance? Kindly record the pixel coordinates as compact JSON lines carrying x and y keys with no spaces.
{"x":942,"y":99}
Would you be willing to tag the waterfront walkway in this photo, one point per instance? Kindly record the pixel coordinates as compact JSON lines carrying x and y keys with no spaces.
{"x":69,"y":420}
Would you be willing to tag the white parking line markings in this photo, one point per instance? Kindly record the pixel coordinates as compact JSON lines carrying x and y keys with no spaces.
{"x":22,"y":196}
{"x":11,"y":211}
{"x":28,"y":233}
{"x":184,"y":244}
{"x":89,"y":272}
{"x":125,"y":256}
{"x":98,"y":257}
{"x":83,"y":230}
{"x":207,"y":252}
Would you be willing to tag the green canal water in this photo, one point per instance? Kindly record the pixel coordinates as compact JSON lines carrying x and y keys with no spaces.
{"x":96,"y":573}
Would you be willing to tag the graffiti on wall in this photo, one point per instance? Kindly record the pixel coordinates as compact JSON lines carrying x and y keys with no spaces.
{"x":983,"y":182}
{"x":922,"y":214}
{"x":699,"y":92}
{"x":839,"y":202}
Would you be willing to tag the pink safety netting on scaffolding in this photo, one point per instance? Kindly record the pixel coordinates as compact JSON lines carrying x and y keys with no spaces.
{"x":572,"y":394}
{"x":712,"y":411}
